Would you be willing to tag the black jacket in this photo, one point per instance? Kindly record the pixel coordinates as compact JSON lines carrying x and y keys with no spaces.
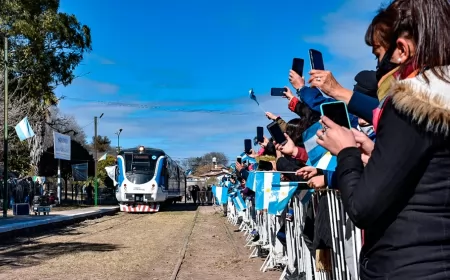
{"x":402,"y":197}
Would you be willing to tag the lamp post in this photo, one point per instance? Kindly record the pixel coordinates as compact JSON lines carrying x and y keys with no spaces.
{"x":95,"y":158}
{"x":118,"y":139}
{"x":5,"y":132}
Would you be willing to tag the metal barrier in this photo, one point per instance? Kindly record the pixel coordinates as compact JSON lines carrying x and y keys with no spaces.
{"x":339,"y":262}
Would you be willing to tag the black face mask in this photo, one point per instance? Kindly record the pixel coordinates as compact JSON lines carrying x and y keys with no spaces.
{"x":385,"y":66}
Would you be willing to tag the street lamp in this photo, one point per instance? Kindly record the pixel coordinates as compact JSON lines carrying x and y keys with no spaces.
{"x":118,"y":138}
{"x":5,"y":132}
{"x":95,"y":158}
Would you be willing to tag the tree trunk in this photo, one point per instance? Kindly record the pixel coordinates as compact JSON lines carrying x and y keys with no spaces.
{"x":36,"y":144}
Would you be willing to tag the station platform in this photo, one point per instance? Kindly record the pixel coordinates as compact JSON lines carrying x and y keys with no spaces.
{"x":16,"y":224}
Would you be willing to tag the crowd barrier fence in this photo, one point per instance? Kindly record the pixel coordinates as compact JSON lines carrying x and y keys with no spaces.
{"x":295,"y":257}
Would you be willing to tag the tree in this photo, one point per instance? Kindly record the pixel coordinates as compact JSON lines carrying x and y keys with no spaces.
{"x":101,"y":171}
{"x":62,"y":123}
{"x":103,"y":143}
{"x":45,"y":46}
{"x":79,"y":154}
{"x":200,"y":165}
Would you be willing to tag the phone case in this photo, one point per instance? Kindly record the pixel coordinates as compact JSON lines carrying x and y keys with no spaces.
{"x":334,"y":102}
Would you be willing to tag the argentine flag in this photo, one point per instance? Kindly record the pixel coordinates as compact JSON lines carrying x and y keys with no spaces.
{"x":251,"y":182}
{"x":318,"y":156}
{"x":238,"y":202}
{"x":24,"y":130}
{"x":263,"y":182}
{"x":221,"y":194}
{"x":245,"y":157}
{"x":282,"y":192}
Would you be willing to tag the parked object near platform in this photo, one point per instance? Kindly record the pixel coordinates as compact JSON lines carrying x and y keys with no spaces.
{"x":146,"y":177}
{"x":21,"y":209}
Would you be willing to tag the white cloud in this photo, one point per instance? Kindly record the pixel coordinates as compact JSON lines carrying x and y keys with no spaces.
{"x":100,"y":87}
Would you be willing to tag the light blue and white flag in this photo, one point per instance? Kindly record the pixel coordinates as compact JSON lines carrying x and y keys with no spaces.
{"x":220,"y":193}
{"x":281,"y":193}
{"x":24,"y":130}
{"x":263,"y":181}
{"x":318,"y":156}
{"x":245,"y":157}
{"x":251,"y":182}
{"x":238,"y":201}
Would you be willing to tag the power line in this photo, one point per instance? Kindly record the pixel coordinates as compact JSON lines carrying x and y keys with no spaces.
{"x":161,"y":108}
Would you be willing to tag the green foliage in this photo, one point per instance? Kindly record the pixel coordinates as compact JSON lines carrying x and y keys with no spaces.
{"x":45,"y":47}
{"x":101,"y":171}
{"x":19,"y":157}
{"x":103,"y":143}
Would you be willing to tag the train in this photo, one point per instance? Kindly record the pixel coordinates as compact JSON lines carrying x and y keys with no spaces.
{"x":147,"y":178}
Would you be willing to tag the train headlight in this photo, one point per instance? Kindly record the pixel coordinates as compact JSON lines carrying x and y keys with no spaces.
{"x":141,"y":149}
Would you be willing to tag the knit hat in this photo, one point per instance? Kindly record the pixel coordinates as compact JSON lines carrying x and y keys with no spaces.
{"x":366,"y":83}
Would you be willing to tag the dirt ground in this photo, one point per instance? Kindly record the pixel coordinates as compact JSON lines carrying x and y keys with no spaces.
{"x":135,"y":246}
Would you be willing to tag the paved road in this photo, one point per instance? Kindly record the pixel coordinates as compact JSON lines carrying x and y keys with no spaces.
{"x":134,"y":246}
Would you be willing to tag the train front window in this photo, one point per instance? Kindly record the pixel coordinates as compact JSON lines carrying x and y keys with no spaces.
{"x":140,"y":164}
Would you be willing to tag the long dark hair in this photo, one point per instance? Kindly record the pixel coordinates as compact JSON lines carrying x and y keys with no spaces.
{"x":295,"y":129}
{"x":426,"y":22}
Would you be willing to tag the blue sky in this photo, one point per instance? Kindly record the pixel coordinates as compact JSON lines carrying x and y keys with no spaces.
{"x":175,"y":74}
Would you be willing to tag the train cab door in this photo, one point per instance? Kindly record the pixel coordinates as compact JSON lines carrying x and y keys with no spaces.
{"x":165,"y":174}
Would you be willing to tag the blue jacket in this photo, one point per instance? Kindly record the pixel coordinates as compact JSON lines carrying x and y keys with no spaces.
{"x":363,"y":105}
{"x":312,"y":97}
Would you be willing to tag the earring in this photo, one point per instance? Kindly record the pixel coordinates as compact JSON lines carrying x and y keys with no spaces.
{"x":399,"y":60}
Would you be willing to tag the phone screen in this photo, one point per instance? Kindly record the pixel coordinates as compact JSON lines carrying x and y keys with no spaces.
{"x":297,"y":66}
{"x":247,"y":145}
{"x":260,"y":134}
{"x":277,"y":91}
{"x":276,"y":133}
{"x":239,"y":160}
{"x":337,"y":112}
{"x":316,"y":60}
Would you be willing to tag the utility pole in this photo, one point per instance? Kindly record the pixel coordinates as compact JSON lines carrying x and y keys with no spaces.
{"x":95,"y":160}
{"x":5,"y":135}
{"x":118,"y":140}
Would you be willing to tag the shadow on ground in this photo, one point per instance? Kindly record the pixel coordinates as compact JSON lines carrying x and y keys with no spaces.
{"x":178,"y":207}
{"x":25,"y":256}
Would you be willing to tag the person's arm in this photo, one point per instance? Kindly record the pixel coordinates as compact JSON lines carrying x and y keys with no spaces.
{"x":300,"y":154}
{"x":312,"y":97}
{"x":394,"y":168}
{"x":362,"y":106}
{"x":330,"y":181}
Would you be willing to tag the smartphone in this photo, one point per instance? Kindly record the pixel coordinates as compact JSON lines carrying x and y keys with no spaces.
{"x":337,"y":112}
{"x":277,"y":91}
{"x":265,"y":165}
{"x":316,"y":60}
{"x":239,"y":160}
{"x":276,"y":133}
{"x":247,"y":145}
{"x":297,"y":66}
{"x":260,"y":134}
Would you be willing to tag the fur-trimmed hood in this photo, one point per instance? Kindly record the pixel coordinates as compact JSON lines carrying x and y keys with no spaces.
{"x":427,"y":103}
